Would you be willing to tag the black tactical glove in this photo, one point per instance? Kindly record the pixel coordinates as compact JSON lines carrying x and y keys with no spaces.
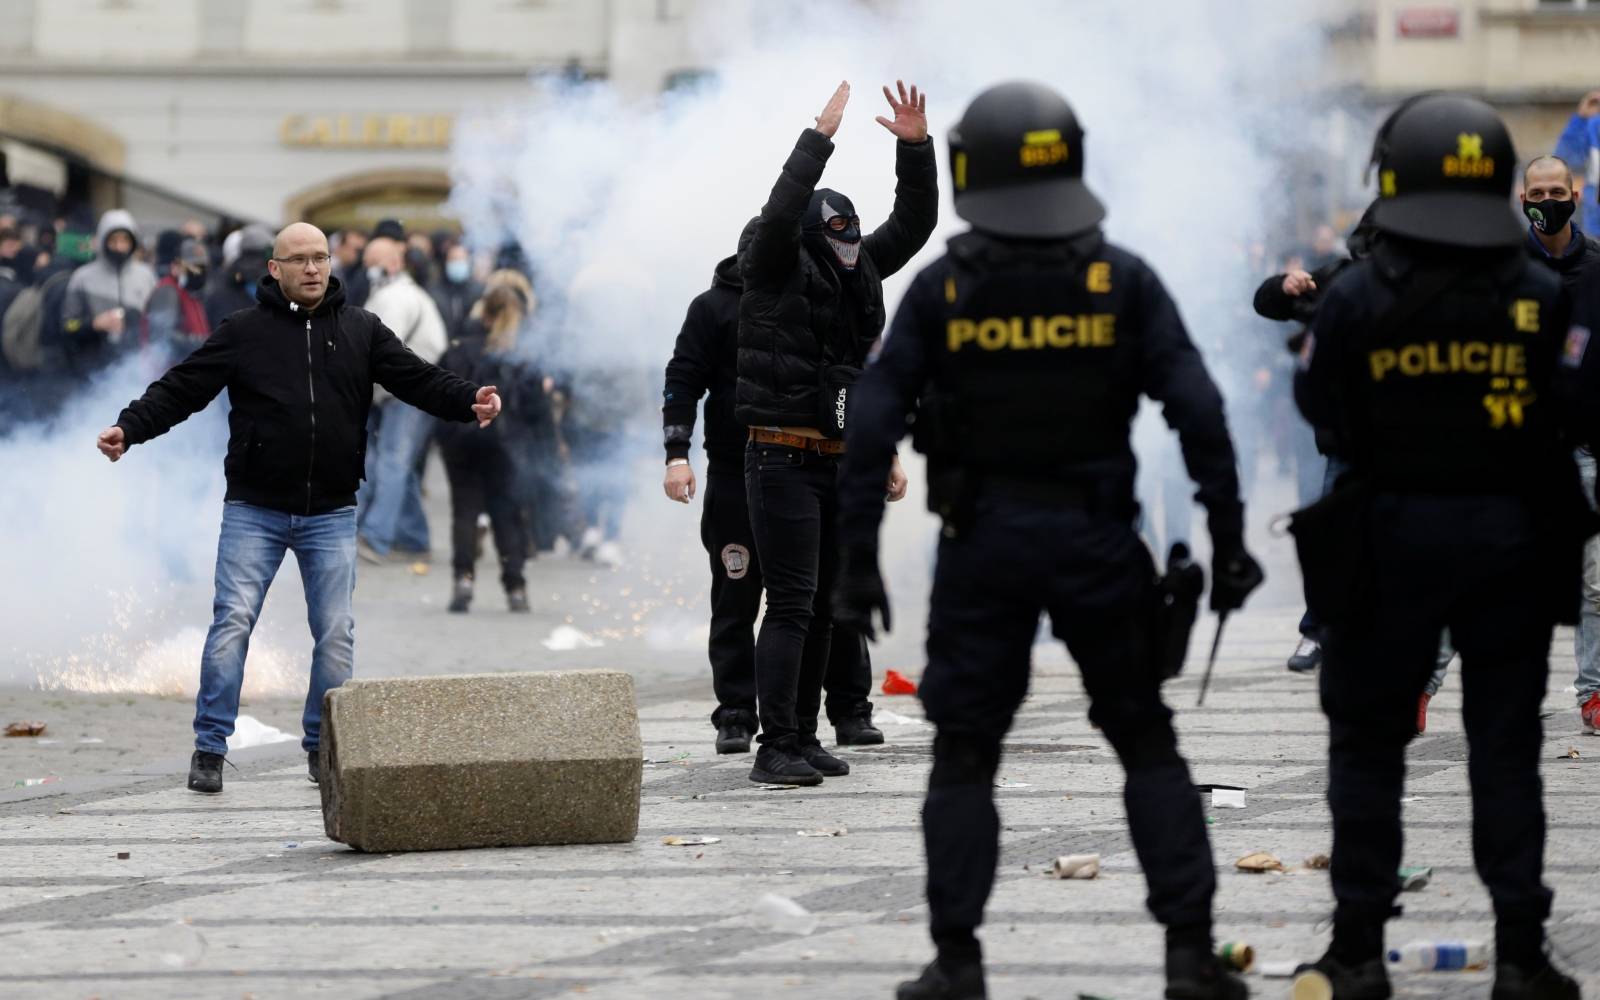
{"x":858,"y":591}
{"x":1234,"y":574}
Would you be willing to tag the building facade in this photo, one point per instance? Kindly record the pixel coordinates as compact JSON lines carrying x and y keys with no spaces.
{"x":336,"y":111}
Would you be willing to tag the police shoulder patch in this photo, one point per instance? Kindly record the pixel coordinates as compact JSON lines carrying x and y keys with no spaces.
{"x":1577,"y":343}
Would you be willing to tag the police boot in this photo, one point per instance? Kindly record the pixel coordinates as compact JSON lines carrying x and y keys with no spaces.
{"x":962,"y":981}
{"x":1330,"y":978}
{"x":1197,"y":974}
{"x":1512,"y":982}
{"x":857,"y":730}
{"x":734,"y":730}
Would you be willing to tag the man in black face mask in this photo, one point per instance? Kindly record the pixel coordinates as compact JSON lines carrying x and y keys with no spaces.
{"x":811,"y":307}
{"x":1550,"y":197}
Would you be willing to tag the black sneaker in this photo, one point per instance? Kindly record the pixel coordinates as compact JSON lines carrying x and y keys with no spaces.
{"x":205,"y":772}
{"x":517,"y":600}
{"x":314,"y":766}
{"x":1194,"y":974}
{"x":461,"y":595}
{"x":1307,"y":657}
{"x":1328,"y":978}
{"x":777,"y":766}
{"x":733,"y":736}
{"x":962,"y":982}
{"x":826,"y":763}
{"x":1513,"y":982}
{"x":857,"y":731}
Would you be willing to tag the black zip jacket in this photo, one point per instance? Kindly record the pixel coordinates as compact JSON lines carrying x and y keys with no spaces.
{"x":790,"y":327}
{"x":1573,"y":266}
{"x":300,"y":385}
{"x":705,"y":361}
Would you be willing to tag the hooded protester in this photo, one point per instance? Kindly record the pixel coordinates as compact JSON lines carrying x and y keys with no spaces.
{"x":244,"y":265}
{"x":106,"y":297}
{"x":175,"y":320}
{"x":811,"y":309}
{"x":705,"y":363}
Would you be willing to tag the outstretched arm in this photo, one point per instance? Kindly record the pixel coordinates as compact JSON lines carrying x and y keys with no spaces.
{"x":776,"y":239}
{"x":916,"y":194}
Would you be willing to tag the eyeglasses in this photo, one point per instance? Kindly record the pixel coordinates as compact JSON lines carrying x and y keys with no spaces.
{"x":839,"y":223}
{"x":301,"y":260}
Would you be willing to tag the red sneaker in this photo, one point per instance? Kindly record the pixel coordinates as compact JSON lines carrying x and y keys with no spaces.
{"x":1422,"y":713}
{"x":1589,"y":712}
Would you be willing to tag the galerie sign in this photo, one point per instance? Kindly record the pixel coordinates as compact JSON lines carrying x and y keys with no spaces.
{"x":367,"y":131}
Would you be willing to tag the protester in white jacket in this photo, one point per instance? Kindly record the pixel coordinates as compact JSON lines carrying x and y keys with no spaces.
{"x":390,"y":517}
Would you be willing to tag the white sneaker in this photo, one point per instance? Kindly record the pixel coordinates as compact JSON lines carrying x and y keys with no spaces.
{"x":590,"y":543}
{"x":609,"y":554}
{"x":1307,"y":657}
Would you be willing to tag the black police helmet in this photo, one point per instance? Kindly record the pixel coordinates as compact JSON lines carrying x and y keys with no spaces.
{"x":1016,"y":158}
{"x":1445,"y":171}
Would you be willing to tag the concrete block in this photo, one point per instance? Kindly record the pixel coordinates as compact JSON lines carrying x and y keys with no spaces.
{"x":482,"y":760}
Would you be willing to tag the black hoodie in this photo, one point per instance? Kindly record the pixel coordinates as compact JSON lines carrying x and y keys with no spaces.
{"x":706,"y":359}
{"x":300,"y":386}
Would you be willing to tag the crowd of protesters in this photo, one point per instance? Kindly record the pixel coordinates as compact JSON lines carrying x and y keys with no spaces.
{"x":79,"y":296}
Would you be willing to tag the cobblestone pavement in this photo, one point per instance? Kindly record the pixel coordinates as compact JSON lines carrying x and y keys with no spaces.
{"x":240,"y":895}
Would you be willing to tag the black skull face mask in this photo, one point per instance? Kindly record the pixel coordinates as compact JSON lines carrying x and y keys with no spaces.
{"x":833,"y":229}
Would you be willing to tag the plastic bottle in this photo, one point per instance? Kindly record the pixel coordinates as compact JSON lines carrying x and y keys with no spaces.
{"x":1439,"y":956}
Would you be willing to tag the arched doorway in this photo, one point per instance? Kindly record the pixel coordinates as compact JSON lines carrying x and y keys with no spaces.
{"x":415,"y":196}
{"x":88,"y":158}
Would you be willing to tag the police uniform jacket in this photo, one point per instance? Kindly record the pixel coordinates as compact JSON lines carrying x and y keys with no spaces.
{"x":1038,"y":352}
{"x":791,"y":327}
{"x":1436,"y":370}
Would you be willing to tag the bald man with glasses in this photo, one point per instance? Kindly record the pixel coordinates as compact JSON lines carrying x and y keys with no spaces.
{"x":299,"y":368}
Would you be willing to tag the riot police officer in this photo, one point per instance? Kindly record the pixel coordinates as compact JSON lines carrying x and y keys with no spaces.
{"x":1029,"y":344}
{"x":1433,"y":363}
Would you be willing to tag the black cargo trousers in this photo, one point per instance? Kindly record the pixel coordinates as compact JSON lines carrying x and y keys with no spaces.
{"x":1094,"y":577}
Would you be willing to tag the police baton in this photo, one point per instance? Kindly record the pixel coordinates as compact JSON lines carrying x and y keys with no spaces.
{"x":1211,"y":663}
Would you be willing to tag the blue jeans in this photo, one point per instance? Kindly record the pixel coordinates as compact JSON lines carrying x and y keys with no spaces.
{"x":249,"y":552}
{"x":390,"y":501}
{"x":1587,"y":641}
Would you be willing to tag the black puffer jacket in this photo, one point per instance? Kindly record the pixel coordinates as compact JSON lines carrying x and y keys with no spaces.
{"x":790,"y":327}
{"x":300,"y":385}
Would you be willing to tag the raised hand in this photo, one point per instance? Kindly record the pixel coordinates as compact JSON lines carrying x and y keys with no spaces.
{"x":111,"y":443}
{"x":487,"y":406}
{"x":1590,"y":105}
{"x":833,"y":113}
{"x":910,"y":114}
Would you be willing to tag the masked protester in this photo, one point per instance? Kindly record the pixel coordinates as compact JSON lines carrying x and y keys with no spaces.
{"x":811,"y":308}
{"x":455,"y":292}
{"x":106,"y":297}
{"x":175,"y":319}
{"x":1552,"y":198}
{"x":244,"y":265}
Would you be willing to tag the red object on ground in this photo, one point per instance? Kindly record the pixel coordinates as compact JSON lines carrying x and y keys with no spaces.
{"x":894,"y":682}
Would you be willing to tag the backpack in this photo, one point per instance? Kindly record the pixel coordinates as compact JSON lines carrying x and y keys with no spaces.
{"x":19,"y":333}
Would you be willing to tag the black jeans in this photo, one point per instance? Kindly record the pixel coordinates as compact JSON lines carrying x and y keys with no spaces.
{"x":1467,"y":564}
{"x":1095,"y":579}
{"x":793,"y":496}
{"x":483,"y":479}
{"x":735,"y":594}
{"x":736,"y":603}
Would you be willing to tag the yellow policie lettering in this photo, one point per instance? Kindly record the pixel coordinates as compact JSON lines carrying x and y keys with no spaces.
{"x":1525,"y":313}
{"x":1043,"y":148}
{"x":1018,"y":333}
{"x":1507,"y":401}
{"x":1472,"y":358}
{"x":1099,"y":278}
